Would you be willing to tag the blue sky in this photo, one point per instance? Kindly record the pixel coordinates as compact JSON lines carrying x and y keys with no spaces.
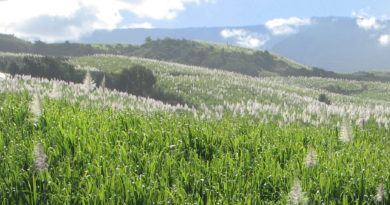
{"x":58,"y":20}
{"x":254,"y":12}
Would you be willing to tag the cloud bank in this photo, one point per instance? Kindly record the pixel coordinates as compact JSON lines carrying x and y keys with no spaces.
{"x":57,"y":20}
{"x":282,"y":26}
{"x":245,"y":38}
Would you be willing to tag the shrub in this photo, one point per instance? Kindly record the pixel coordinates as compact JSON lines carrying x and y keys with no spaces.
{"x":323,"y":98}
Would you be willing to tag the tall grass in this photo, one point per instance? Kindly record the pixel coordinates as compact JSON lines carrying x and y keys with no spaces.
{"x":97,"y":155}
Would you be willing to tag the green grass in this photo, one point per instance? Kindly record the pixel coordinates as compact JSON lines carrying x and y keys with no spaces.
{"x":105,"y":156}
{"x":191,"y":82}
{"x":108,"y":46}
{"x":245,"y":143}
{"x":291,"y":63}
{"x":227,"y":48}
{"x":231,"y":48}
{"x":103,"y":63}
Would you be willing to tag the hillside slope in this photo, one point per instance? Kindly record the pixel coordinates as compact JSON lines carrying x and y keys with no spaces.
{"x":241,"y":60}
{"x":231,"y":58}
{"x":9,"y":43}
{"x":246,"y":61}
{"x":211,"y":87}
{"x":248,"y":139}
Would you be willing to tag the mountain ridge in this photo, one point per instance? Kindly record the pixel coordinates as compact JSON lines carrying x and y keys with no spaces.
{"x":357,"y":48}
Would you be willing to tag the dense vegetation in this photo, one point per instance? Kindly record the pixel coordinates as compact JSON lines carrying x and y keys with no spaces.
{"x":137,"y":80}
{"x":44,"y":67}
{"x":9,"y":43}
{"x":323,"y":98}
{"x":103,"y":156}
{"x":250,"y":141}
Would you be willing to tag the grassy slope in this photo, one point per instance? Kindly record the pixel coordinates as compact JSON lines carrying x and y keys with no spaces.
{"x":231,"y":58}
{"x":10,"y":43}
{"x":98,"y":154}
{"x":175,"y":76}
{"x":230,"y":48}
{"x":13,"y":40}
{"x":241,"y":60}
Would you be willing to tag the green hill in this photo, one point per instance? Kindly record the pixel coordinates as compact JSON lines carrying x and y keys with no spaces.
{"x":230,"y":58}
{"x":9,"y":43}
{"x":216,"y":56}
{"x":178,"y":78}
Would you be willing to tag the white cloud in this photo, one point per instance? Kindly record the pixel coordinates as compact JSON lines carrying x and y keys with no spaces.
{"x":245,"y":38}
{"x":145,"y":25}
{"x":250,"y":42}
{"x":365,"y":21}
{"x":384,"y":39}
{"x":228,"y":33}
{"x":57,"y":20}
{"x":54,"y":20}
{"x":368,"y":23}
{"x":282,"y":26}
{"x":156,"y":9}
{"x":211,"y":1}
{"x":362,"y":13}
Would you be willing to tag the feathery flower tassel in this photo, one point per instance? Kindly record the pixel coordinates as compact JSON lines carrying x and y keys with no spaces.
{"x":56,"y":91}
{"x":88,"y":83}
{"x":380,"y":193}
{"x":36,"y":108}
{"x":311,"y":158}
{"x":103,"y":83}
{"x":296,"y":195}
{"x":40,"y":164}
{"x":346,"y":133}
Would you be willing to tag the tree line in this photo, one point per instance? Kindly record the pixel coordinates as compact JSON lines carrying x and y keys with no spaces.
{"x":137,"y":80}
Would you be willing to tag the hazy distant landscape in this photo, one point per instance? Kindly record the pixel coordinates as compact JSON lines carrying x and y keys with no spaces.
{"x":288,"y":111}
{"x":334,"y":43}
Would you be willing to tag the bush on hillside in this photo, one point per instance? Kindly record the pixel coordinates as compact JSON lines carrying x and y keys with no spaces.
{"x":323,"y":98}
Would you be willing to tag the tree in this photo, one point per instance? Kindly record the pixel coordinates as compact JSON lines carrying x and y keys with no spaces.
{"x":323,"y":98}
{"x":13,"y":68}
{"x":143,"y":79}
{"x":40,"y":47}
{"x":137,"y":80}
{"x":148,"y":39}
{"x":31,"y":67}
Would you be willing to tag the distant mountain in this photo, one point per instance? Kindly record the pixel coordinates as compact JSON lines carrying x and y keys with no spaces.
{"x":205,"y":34}
{"x":138,"y":35}
{"x":337,"y":44}
{"x":333,"y":43}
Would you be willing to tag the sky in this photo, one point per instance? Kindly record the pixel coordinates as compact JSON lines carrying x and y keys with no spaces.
{"x":55,"y":20}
